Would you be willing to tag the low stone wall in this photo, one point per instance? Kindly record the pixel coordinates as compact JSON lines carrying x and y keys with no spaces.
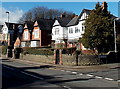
{"x":39,"y":58}
{"x":66,"y":59}
{"x":88,"y":60}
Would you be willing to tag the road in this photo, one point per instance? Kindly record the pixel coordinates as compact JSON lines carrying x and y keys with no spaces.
{"x":22,"y":75}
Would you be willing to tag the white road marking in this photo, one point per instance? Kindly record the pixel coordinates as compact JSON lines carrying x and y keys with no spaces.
{"x":74,"y":72}
{"x":98,"y":77}
{"x":109,"y":79}
{"x":89,"y":75}
{"x":62,"y":70}
{"x":32,"y":75}
{"x":67,"y":87}
{"x":81,"y":74}
{"x":68,"y":71}
{"x":118,"y":80}
{"x":9,"y":68}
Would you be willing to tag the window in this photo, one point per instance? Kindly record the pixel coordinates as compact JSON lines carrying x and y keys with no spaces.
{"x":26,"y":34}
{"x":36,"y":33}
{"x":70,"y":30}
{"x":56,"y":31}
{"x":83,"y":27}
{"x":77,"y":30}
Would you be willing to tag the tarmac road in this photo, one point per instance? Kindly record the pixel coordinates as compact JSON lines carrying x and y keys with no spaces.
{"x":22,"y":75}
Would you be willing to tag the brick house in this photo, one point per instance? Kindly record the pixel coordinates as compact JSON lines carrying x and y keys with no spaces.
{"x":27,"y":34}
{"x":41,"y":35}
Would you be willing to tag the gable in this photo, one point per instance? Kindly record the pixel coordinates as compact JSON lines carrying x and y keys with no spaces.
{"x":5,"y":29}
{"x":25,"y":26}
{"x":56,"y":23}
{"x":36,"y":23}
{"x":83,"y":16}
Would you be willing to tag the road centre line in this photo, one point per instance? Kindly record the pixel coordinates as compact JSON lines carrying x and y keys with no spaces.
{"x":68,"y":71}
{"x":90,"y":75}
{"x":67,"y":87}
{"x":109,"y":79}
{"x":98,"y":77}
{"x":118,"y":80}
{"x":32,"y":75}
{"x":81,"y":74}
{"x":9,"y":68}
{"x":74,"y":72}
{"x":25,"y":73}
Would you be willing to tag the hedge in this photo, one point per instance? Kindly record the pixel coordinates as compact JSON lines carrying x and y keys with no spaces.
{"x":37,"y":51}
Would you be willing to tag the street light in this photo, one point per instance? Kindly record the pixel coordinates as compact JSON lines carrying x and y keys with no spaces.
{"x":8,"y":32}
{"x":8,"y":15}
{"x":115,"y":34}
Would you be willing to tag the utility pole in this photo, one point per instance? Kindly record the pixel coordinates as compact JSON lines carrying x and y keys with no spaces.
{"x":115,"y":36}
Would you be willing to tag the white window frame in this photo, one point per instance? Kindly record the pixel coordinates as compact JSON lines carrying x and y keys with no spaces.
{"x":36,"y":33}
{"x":77,"y":30}
{"x":26,"y":35}
{"x":70,"y":30}
{"x":57,"y":31}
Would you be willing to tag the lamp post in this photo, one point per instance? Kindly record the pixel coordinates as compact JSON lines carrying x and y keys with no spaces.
{"x":115,"y":34}
{"x":8,"y":15}
{"x":8,"y":26}
{"x":7,"y":33}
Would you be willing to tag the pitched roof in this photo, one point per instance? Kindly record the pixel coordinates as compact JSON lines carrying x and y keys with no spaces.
{"x":63,"y":21}
{"x":75,"y":20}
{"x":45,"y":24}
{"x":12,"y":26}
{"x":30,"y":25}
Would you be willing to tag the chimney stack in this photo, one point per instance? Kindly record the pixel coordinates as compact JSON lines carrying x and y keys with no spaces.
{"x":104,"y":6}
{"x":62,"y":15}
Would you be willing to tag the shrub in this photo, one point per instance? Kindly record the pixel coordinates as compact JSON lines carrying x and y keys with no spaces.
{"x":36,"y":51}
{"x":3,"y":49}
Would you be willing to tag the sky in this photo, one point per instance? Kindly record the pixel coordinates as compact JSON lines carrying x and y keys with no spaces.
{"x":17,"y":9}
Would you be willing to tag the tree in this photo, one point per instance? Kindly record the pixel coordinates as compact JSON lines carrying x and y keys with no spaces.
{"x":42,"y":12}
{"x":99,"y":30}
{"x":118,"y":42}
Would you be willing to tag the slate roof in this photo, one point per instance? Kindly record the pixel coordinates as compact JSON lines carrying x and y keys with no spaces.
{"x":12,"y":26}
{"x":45,"y":24}
{"x":63,"y":21}
{"x":75,"y":20}
{"x":30,"y":25}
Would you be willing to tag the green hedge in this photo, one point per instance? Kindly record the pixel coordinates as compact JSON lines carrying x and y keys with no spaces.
{"x":37,"y":51}
{"x":4,"y":49}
